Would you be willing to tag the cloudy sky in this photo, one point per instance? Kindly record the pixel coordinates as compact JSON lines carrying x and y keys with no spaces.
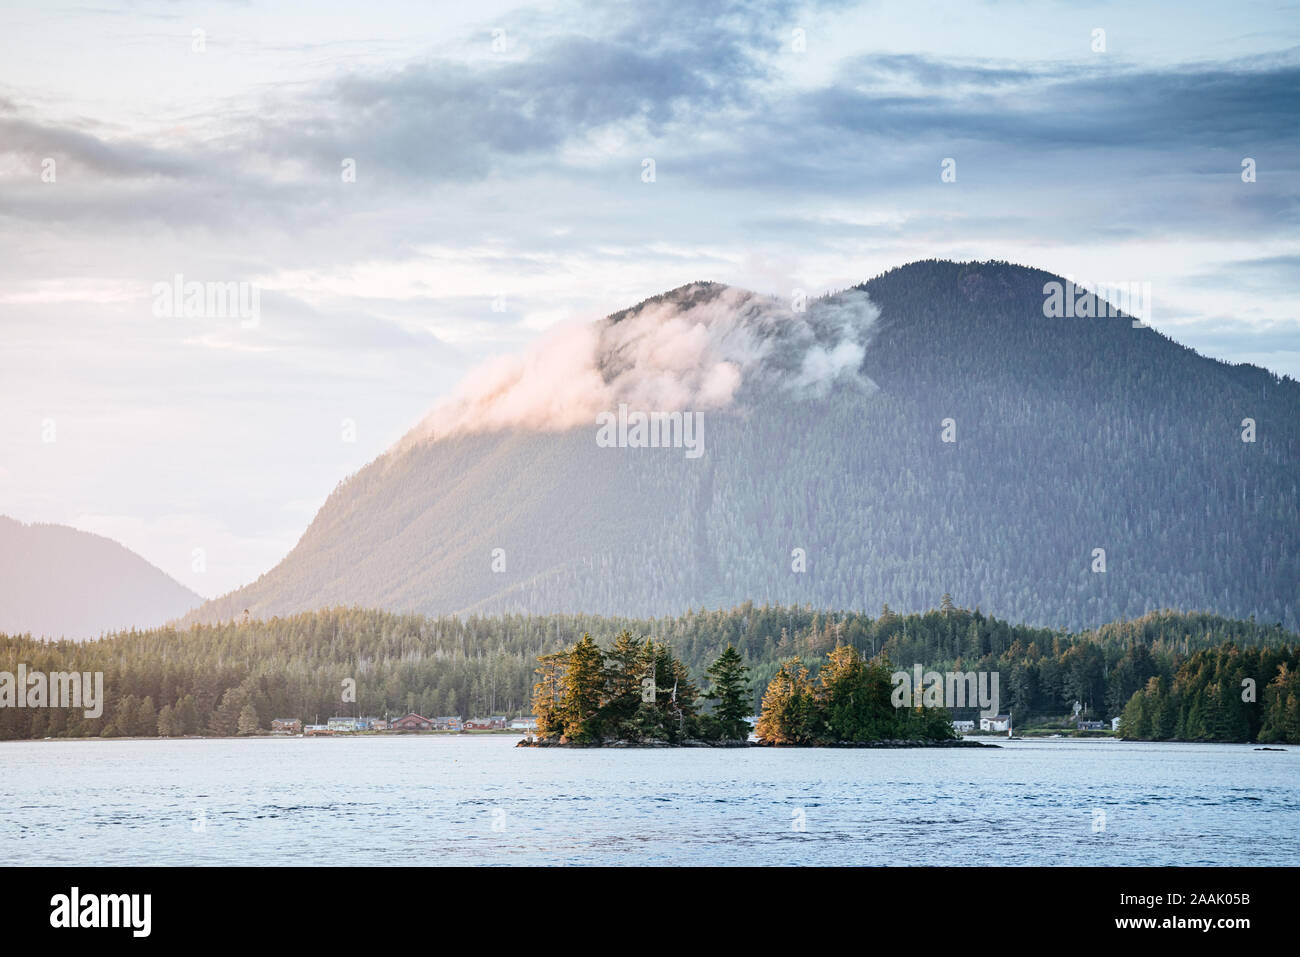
{"x":501,"y":186}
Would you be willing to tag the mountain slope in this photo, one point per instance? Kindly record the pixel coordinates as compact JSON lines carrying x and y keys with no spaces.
{"x":59,"y":582}
{"x":1070,"y":435}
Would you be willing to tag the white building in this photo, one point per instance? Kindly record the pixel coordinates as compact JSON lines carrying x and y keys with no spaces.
{"x":999,"y":722}
{"x":961,"y":727}
{"x":523,"y":724}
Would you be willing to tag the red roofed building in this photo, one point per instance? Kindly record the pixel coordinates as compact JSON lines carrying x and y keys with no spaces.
{"x":411,"y":722}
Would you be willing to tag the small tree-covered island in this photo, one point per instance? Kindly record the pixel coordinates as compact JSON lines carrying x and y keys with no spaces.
{"x":639,"y":694}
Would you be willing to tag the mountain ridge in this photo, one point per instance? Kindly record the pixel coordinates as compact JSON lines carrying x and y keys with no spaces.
{"x":59,"y":581}
{"x":1063,"y":427}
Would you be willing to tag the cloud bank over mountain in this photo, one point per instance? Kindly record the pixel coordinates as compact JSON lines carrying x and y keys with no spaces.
{"x":693,"y":349}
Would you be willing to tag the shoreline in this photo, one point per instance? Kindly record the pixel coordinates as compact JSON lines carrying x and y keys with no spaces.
{"x":964,"y":743}
{"x":268,"y":736}
{"x":754,"y":744}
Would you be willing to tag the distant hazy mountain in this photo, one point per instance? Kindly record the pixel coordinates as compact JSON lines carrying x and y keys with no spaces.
{"x":823,"y":430}
{"x":59,"y":582}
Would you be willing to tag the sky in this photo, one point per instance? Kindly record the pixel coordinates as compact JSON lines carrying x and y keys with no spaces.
{"x":412,"y":189}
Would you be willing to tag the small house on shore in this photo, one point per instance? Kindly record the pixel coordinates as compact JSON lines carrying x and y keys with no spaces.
{"x":999,"y":722}
{"x":411,"y":722}
{"x":286,"y":726}
{"x":449,"y":723}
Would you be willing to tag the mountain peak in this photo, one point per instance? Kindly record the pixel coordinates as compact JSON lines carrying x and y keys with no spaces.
{"x":683,"y":297}
{"x":1116,"y":427}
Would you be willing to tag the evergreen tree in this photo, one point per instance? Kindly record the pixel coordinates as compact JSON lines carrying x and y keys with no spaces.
{"x":848,"y":707}
{"x":165,"y":721}
{"x":186,"y":717}
{"x":1130,"y":722}
{"x":146,"y":719}
{"x":675,"y":694}
{"x":730,"y":692}
{"x":248,"y":721}
{"x":627,"y":673}
{"x":788,"y":712}
{"x":225,"y":719}
{"x":124,"y":717}
{"x":581,"y":691}
{"x":547,"y":694}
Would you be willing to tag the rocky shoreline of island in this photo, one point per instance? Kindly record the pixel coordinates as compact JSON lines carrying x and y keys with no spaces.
{"x":890,"y":743}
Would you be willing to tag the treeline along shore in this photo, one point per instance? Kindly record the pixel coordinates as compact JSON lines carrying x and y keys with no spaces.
{"x":1166,"y":675}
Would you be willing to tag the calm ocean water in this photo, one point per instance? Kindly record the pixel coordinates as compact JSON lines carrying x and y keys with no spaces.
{"x":478,"y":800}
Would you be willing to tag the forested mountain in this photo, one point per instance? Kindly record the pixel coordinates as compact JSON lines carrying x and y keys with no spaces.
{"x":59,"y":582}
{"x":199,"y":680}
{"x":1069,"y":435}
